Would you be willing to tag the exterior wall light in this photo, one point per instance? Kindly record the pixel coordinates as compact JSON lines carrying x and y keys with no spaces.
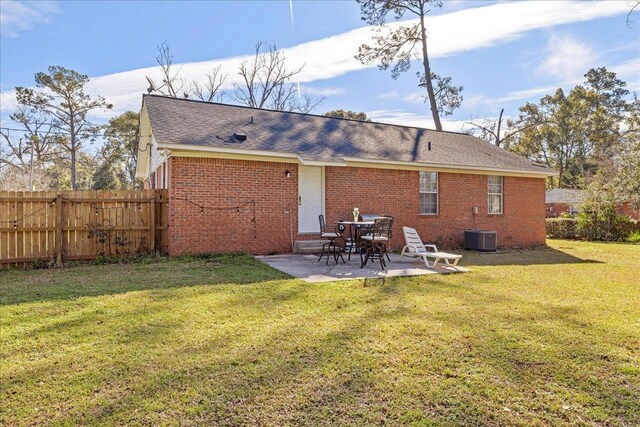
{"x":287,"y":174}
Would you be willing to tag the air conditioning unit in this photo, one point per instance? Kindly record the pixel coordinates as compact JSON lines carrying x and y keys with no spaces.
{"x":480,"y":240}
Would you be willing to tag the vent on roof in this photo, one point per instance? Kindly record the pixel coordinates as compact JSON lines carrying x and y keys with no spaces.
{"x":240,"y":137}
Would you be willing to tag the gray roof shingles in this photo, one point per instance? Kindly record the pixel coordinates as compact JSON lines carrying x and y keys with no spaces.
{"x":319,"y":138}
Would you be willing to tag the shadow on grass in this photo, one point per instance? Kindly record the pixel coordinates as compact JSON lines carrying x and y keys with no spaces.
{"x":543,"y":255}
{"x":20,"y":286}
{"x":368,"y":359}
{"x":29,"y":286}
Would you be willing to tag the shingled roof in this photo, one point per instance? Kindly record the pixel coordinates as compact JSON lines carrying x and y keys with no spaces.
{"x":565,"y":195}
{"x":320,"y":138}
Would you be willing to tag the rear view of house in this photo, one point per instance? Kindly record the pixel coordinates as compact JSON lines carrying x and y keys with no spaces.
{"x":246,"y":179}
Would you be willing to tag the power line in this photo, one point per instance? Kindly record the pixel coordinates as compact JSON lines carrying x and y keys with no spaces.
{"x":103,"y":135}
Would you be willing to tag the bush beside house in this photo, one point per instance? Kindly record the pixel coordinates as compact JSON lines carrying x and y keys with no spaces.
{"x":586,"y":227}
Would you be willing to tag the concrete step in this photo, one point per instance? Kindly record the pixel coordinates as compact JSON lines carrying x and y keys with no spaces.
{"x":308,"y":246}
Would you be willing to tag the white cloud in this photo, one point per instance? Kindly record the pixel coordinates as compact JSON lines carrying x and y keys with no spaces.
{"x":566,"y":57}
{"x":323,"y":91}
{"x":405,"y":118}
{"x":16,"y":16}
{"x":449,"y":34}
{"x":517,"y":95}
{"x":416,"y":97}
{"x":389,"y":95}
{"x":627,"y":71}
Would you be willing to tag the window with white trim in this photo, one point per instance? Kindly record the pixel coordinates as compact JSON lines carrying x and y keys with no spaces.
{"x":495,"y":193}
{"x":428,"y":193}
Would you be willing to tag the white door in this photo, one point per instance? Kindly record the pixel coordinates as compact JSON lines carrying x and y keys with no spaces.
{"x":310,"y":198}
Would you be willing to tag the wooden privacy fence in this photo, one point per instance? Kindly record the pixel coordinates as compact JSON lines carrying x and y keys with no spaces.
{"x":58,"y":226}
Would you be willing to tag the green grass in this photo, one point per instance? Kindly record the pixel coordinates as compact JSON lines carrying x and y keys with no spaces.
{"x":543,"y":337}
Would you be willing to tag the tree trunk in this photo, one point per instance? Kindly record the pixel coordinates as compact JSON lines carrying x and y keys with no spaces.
{"x":73,"y":155}
{"x":498,"y":140}
{"x":427,"y":73}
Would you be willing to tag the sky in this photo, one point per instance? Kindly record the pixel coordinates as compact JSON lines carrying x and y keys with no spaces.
{"x":503,"y":53}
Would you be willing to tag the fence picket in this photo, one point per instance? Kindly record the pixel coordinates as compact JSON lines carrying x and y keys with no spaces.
{"x":39,"y":225}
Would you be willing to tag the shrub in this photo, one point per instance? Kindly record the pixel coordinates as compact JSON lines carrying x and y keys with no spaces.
{"x":562,"y":228}
{"x":620,"y":228}
{"x":599,"y":221}
{"x":634,"y":237}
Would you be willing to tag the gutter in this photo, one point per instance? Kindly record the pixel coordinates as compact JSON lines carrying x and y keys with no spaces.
{"x":543,"y":173}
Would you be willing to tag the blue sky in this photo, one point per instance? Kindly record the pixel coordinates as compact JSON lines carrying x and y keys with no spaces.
{"x":504,"y":54}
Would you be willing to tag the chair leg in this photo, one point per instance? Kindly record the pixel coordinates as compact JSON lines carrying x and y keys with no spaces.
{"x":366,"y":257}
{"x":337,"y":253}
{"x":323,"y":251}
{"x":435,"y":263}
{"x":426,"y":261}
{"x":329,"y":250}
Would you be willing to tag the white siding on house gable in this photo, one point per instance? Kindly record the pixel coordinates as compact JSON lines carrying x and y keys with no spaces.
{"x":157,"y":157}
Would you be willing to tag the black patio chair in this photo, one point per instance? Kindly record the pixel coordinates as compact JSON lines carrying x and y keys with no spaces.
{"x":390,"y":232}
{"x":376,"y":242}
{"x":330,"y":247}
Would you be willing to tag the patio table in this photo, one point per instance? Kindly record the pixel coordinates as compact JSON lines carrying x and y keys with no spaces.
{"x":354,"y":233}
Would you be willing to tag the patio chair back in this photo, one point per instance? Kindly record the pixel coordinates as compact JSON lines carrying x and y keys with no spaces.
{"x":413,"y":241}
{"x":382,"y":227}
{"x":390,"y":225}
{"x":322,"y":223}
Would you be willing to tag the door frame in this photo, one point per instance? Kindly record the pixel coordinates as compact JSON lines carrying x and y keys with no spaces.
{"x":322,"y":197}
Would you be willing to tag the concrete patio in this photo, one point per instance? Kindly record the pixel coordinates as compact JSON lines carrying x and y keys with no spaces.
{"x":307,"y":268}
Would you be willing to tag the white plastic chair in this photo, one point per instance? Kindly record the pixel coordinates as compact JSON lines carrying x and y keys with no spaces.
{"x":415,"y":248}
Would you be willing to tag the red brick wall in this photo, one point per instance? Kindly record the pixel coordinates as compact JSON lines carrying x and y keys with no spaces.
{"x":219,"y":183}
{"x":556,"y":209}
{"x":521,"y":224}
{"x":627,"y":209}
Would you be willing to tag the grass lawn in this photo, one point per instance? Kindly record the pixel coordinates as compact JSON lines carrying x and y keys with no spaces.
{"x":548,"y":336}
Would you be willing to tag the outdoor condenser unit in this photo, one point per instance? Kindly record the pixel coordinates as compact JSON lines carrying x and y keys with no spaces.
{"x":480,"y":240}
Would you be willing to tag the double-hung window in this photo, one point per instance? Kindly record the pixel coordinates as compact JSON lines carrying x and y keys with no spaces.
{"x":428,"y":193}
{"x":495,"y":194}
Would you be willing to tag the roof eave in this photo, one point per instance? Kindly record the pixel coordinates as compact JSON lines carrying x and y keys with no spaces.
{"x":545,"y":172}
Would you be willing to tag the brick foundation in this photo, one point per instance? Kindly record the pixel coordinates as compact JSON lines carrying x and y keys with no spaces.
{"x":219,"y":184}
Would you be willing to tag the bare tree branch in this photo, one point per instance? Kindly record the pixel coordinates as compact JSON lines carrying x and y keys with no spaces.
{"x":631,"y":12}
{"x":267,"y":83}
{"x":211,"y":90}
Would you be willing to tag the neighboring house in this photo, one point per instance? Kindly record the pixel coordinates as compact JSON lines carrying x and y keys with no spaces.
{"x":568,"y":201}
{"x":246,"y":179}
{"x":563,"y":201}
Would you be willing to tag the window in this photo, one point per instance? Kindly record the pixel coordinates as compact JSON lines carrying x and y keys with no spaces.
{"x":494,"y":201}
{"x":429,"y":193}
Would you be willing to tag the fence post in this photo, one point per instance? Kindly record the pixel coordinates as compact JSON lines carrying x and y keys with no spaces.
{"x":59,"y":230}
{"x":153,"y":221}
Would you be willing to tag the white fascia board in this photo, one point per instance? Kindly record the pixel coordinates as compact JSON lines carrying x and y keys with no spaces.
{"x":346,"y":160}
{"x":462,"y":168}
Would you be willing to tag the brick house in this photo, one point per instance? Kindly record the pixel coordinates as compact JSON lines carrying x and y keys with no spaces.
{"x":560,"y":201}
{"x":246,"y":179}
